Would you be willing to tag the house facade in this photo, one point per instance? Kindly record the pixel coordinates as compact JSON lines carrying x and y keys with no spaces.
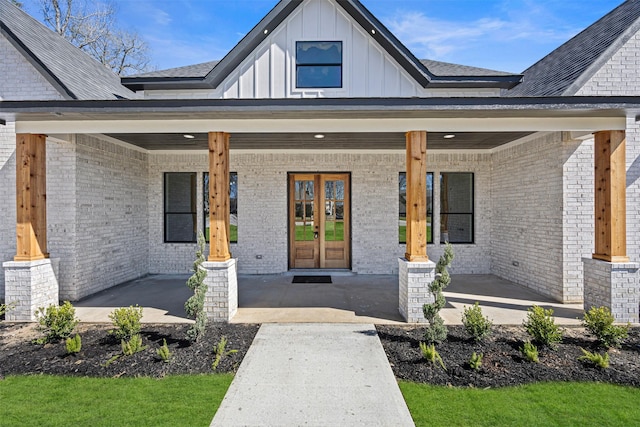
{"x":321,"y":143}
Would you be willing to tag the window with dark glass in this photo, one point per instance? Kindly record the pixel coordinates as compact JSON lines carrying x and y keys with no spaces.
{"x":318,"y":64}
{"x":179,"y":207}
{"x":233,"y":206}
{"x":402,"y":211}
{"x":456,"y":207}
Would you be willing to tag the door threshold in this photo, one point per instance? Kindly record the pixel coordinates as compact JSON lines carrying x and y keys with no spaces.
{"x":319,"y":272}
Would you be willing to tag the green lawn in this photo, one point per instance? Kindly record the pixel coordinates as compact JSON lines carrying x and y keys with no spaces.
{"x":233,"y":233}
{"x":402,"y":231}
{"x":306,"y":234}
{"x":544,"y":404}
{"x":71,"y":401}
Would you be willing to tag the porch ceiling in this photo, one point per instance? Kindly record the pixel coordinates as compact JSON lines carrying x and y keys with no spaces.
{"x":331,"y":141}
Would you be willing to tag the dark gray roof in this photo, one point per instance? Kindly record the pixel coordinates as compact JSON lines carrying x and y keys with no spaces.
{"x":460,"y":76}
{"x":439,"y":68}
{"x":189,"y":71}
{"x":565,"y":70}
{"x":70,"y":70}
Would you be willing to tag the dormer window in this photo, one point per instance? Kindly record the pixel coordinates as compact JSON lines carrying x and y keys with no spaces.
{"x":318,"y":64}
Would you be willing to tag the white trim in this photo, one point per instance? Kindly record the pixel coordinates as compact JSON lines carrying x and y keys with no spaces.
{"x":326,"y":125}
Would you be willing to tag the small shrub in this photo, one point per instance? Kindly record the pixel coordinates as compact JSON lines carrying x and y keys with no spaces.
{"x":57,"y":322}
{"x":195,"y":304}
{"x":476,"y":325}
{"x":5,"y":308}
{"x":436,"y":331}
{"x":541,"y":326}
{"x":596,"y":359}
{"x":133,"y":345}
{"x":599,"y":322}
{"x":431,"y":355}
{"x":476,"y":361}
{"x":74,"y":344}
{"x":126,"y":320}
{"x":220,"y":351}
{"x":164,"y":352}
{"x":530,"y":352}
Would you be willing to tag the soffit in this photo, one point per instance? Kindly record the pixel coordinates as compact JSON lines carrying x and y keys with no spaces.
{"x":331,"y":141}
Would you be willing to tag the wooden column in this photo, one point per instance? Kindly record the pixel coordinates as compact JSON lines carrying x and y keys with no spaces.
{"x":416,"y":196}
{"x":31,"y":197}
{"x":610,"y":197}
{"x":219,"y":197}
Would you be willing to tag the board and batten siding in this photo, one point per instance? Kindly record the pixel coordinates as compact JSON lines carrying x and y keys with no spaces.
{"x":270,"y":70}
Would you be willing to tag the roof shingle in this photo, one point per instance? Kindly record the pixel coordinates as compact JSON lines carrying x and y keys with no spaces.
{"x":566,"y":69}
{"x":73,"y":72}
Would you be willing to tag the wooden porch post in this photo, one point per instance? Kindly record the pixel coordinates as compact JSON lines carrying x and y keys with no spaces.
{"x":31,"y":197}
{"x":610,"y":197}
{"x":416,"y":196}
{"x":219,"y":197}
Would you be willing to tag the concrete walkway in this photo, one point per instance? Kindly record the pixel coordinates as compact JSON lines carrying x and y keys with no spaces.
{"x":314,"y":374}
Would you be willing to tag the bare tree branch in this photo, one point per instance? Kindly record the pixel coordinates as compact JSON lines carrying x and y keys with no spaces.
{"x":91,"y":26}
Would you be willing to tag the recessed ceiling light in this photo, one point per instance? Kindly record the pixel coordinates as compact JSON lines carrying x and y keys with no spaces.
{"x":318,"y":136}
{"x":186,"y":135}
{"x":449,"y":136}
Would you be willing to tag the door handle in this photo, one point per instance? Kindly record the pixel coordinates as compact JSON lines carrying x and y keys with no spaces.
{"x":315,"y":234}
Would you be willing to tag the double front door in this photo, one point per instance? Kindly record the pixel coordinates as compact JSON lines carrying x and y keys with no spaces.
{"x":319,"y":213}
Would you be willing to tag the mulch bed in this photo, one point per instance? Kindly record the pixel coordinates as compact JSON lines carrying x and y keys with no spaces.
{"x":19,"y":355}
{"x":503,"y":363}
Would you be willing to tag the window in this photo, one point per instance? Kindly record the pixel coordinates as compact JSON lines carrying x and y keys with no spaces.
{"x":456,"y":207}
{"x":179,"y":207}
{"x":233,"y":206}
{"x":402,"y":212}
{"x":318,"y":64}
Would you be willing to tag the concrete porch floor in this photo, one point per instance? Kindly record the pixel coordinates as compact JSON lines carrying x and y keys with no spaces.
{"x":349,"y":299}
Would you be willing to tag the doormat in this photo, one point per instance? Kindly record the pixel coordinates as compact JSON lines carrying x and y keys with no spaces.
{"x":311,"y":279}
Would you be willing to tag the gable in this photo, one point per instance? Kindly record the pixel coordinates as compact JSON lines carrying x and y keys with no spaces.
{"x":20,"y":80}
{"x":619,"y":76}
{"x":374,"y":62}
{"x":270,"y":71}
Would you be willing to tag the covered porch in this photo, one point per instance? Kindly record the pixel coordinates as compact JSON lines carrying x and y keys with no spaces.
{"x":521,"y":154}
{"x":348,"y":299}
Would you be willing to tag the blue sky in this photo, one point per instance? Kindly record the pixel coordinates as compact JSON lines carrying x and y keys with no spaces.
{"x":507,"y":35}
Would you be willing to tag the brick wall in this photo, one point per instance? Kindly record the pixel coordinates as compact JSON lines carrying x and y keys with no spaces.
{"x":262,"y":208}
{"x":20,"y":81}
{"x":527,"y":214}
{"x":7,"y":197}
{"x":112,"y":216}
{"x":619,"y":76}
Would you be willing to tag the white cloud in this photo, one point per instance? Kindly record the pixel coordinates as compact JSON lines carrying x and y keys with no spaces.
{"x":439,"y":39}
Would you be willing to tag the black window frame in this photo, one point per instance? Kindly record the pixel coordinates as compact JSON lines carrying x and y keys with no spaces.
{"x":205,"y":197}
{"x":193,"y":212}
{"x":473,"y":208}
{"x":300,"y":65}
{"x":429,"y":205}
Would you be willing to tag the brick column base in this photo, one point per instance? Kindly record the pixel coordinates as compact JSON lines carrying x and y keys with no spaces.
{"x":414,"y":280}
{"x":613,"y":285}
{"x":221,"y":301}
{"x":29,"y":285}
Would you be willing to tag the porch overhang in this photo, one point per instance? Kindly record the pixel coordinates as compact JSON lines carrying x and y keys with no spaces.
{"x":378,"y":123}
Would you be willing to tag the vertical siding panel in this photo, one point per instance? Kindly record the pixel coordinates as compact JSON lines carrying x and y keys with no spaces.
{"x":358,"y":66}
{"x":247,"y":89}
{"x":311,"y":18}
{"x":391,"y":79}
{"x":263,"y":72}
{"x":231,"y":87}
{"x":278,"y":65}
{"x":376,"y":70}
{"x":327,"y":22}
